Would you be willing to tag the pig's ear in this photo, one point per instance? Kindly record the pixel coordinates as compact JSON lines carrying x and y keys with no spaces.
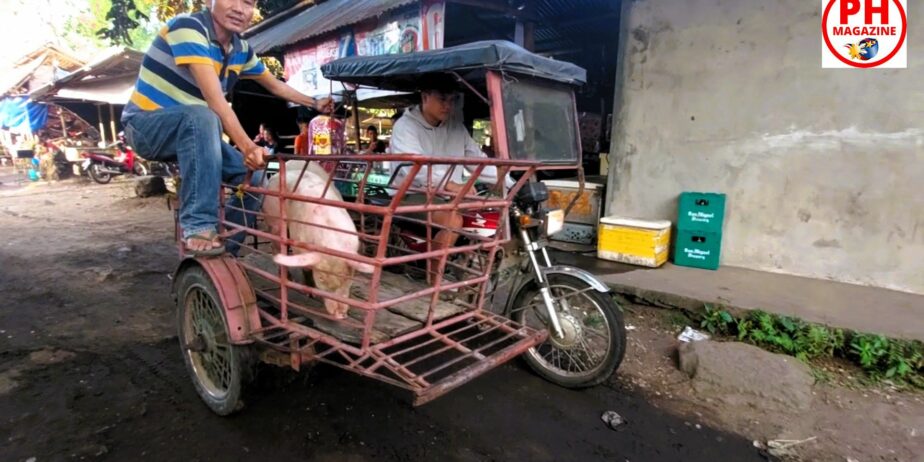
{"x":307,"y":259}
{"x":361,"y":267}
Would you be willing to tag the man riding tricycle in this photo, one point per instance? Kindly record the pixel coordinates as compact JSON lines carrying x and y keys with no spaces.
{"x":426,"y":280}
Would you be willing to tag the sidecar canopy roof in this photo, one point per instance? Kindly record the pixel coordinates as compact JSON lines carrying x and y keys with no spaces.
{"x":403,"y":72}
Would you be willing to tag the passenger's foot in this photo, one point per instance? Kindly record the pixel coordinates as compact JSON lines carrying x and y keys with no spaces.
{"x":204,"y":244}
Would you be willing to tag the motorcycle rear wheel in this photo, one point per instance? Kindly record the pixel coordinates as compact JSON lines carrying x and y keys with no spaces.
{"x":98,"y":175}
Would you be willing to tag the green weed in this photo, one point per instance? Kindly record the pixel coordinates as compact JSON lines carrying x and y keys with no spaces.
{"x":716,"y":321}
{"x":881,"y":358}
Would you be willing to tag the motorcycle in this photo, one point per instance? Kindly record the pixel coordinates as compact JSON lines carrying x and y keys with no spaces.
{"x":102,"y":166}
{"x":533,"y":118}
{"x":587,"y":340}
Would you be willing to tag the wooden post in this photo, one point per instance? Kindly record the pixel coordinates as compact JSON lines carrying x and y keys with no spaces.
{"x":112,"y":125}
{"x":359,"y":145}
{"x":102,"y":128}
{"x":519,"y":34}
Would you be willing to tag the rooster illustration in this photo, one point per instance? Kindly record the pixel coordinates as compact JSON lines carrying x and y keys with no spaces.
{"x":859,"y":50}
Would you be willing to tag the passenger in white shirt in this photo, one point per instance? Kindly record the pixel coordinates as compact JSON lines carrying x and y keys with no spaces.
{"x":435,"y":128}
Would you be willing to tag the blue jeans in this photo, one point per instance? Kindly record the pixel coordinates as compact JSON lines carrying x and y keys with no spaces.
{"x":192,"y":136}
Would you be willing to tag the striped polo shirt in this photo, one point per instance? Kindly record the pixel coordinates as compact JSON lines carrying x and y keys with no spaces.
{"x":165,"y":80}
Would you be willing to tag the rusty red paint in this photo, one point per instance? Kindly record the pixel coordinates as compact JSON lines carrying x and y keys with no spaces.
{"x":395,"y":360}
{"x":237,"y":297}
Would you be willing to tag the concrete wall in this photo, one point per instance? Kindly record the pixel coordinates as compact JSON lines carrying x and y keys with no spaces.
{"x":824,"y":168}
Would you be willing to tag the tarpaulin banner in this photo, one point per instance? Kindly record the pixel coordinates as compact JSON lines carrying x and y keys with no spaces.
{"x":433,"y":14}
{"x":404,"y":31}
{"x":303,"y":66}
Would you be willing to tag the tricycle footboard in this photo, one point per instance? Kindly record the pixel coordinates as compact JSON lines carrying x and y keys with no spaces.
{"x":432,"y":361}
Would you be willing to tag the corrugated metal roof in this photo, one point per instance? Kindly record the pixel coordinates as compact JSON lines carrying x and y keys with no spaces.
{"x":562,"y":20}
{"x":112,"y":72}
{"x":320,"y":19}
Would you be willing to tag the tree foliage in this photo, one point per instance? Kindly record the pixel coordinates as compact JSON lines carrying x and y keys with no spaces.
{"x":123,"y":17}
{"x":130,"y":22}
{"x":81,"y":29}
{"x":166,"y":9}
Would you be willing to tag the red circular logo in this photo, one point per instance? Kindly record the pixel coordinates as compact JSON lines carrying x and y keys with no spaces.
{"x":864,"y":65}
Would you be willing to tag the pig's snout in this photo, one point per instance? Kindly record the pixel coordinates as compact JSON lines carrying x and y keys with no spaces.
{"x":336,"y":309}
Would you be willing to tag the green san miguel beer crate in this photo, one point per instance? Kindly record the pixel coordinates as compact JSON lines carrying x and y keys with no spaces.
{"x":697,"y":249}
{"x":701,"y":211}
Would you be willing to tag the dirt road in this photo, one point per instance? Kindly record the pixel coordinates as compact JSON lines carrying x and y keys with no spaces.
{"x":90,"y":369}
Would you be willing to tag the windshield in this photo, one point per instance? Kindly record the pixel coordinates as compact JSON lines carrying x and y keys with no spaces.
{"x":540,"y":121}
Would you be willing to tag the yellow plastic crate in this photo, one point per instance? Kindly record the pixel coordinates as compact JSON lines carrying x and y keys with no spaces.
{"x":633,"y":241}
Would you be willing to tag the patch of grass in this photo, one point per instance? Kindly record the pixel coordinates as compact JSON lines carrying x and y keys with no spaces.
{"x":901,"y":361}
{"x":883,"y":358}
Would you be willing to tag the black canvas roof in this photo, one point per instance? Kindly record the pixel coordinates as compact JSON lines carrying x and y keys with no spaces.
{"x":402,"y":71}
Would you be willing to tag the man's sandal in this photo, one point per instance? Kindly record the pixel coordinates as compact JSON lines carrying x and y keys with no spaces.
{"x":211,"y":237}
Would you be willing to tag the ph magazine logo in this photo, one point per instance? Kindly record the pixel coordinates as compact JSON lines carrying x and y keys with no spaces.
{"x":864,"y":34}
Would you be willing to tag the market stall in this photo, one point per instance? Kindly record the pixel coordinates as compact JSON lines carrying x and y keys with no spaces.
{"x":90,"y":100}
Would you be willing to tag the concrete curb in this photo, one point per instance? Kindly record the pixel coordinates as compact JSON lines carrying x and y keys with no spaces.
{"x":632,"y":294}
{"x":656,"y":298}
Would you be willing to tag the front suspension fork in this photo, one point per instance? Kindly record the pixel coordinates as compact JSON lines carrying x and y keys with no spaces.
{"x":544,"y":289}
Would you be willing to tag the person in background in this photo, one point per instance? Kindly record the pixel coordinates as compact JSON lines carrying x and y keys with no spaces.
{"x":46,"y":152}
{"x":376,"y":146}
{"x":259,"y":138}
{"x":270,"y":140}
{"x":301,"y":141}
{"x":326,"y":137}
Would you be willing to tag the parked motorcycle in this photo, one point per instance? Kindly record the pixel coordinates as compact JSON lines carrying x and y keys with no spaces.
{"x":102,"y":166}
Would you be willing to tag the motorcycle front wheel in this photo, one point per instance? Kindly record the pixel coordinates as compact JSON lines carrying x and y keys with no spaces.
{"x":98,"y":175}
{"x":594,"y":341}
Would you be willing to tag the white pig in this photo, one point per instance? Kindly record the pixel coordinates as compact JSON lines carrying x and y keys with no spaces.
{"x":331,"y":274}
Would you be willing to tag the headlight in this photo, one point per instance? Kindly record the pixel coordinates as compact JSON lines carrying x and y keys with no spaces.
{"x":554,"y":221}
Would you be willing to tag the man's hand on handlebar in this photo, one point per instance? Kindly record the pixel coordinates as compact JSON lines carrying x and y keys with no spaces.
{"x":324,"y":105}
{"x":480,"y":189}
{"x":255,"y":157}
